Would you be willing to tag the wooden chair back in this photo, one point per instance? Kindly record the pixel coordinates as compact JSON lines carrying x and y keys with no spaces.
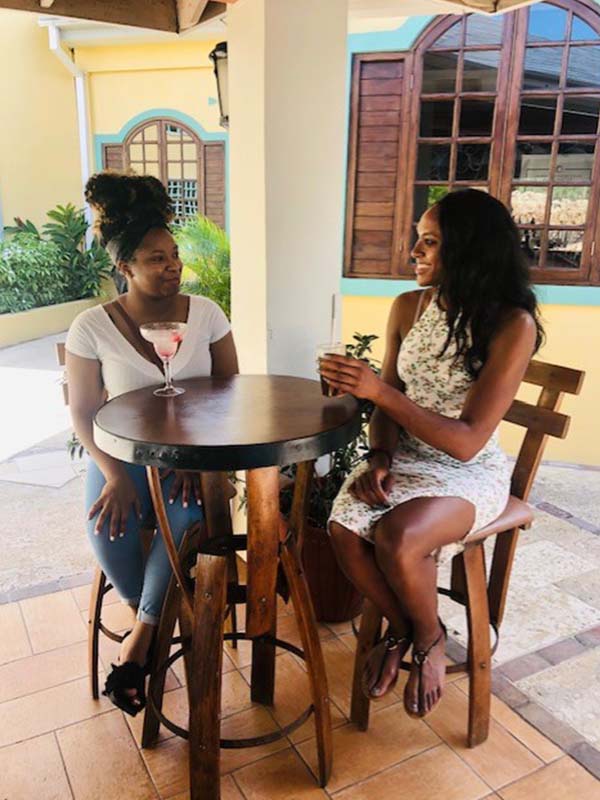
{"x":540,"y":420}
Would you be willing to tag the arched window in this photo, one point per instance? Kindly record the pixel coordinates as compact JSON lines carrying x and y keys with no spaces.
{"x":509,"y":104}
{"x":193,"y":171}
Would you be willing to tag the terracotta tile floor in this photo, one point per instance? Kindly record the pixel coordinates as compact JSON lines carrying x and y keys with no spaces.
{"x":57,"y":743}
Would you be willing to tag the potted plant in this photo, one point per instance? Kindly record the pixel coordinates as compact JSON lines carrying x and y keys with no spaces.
{"x":334,"y":598}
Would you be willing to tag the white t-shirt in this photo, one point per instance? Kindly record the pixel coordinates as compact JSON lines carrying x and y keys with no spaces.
{"x":94,"y":335}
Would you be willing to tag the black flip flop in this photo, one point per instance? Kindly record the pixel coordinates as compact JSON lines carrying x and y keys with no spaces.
{"x":123,"y":678}
{"x":420,"y":657}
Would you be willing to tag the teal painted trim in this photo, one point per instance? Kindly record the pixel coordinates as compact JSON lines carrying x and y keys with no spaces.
{"x":206,"y":136}
{"x":400,"y":39}
{"x":547,"y":295}
{"x":568,"y":295}
{"x":373,"y":287}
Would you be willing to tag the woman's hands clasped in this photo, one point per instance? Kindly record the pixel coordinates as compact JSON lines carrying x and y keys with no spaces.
{"x":351,"y":376}
{"x":116,"y":499}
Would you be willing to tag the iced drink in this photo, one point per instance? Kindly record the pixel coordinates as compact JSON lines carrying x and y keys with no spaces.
{"x":333,"y":348}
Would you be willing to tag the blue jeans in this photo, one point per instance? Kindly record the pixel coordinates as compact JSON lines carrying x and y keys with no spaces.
{"x":141,"y":585}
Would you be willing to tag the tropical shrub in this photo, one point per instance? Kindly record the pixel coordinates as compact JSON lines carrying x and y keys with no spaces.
{"x":204,"y":250}
{"x":30,"y":273}
{"x":50,"y":266}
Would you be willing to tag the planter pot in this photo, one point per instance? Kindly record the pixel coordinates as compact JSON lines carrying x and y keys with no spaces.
{"x":37,"y":322}
{"x":334,"y":598}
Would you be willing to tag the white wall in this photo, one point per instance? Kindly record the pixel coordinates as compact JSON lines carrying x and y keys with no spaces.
{"x":287,"y":107}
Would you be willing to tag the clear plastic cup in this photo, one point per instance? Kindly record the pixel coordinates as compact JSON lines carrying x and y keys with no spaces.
{"x":333,"y":348}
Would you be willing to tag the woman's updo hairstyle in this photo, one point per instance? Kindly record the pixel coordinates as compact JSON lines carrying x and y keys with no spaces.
{"x":127,"y":207}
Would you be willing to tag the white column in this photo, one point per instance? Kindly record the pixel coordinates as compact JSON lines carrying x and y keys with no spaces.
{"x":287,"y":84}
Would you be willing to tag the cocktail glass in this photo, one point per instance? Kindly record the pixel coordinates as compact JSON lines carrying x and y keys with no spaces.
{"x":166,"y":337}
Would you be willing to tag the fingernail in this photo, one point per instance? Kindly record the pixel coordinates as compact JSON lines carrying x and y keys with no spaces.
{"x":122,"y":534}
{"x":96,"y":532}
{"x":185,"y":505}
{"x":199,"y":502}
{"x":170,"y":501}
{"x":112,"y":538}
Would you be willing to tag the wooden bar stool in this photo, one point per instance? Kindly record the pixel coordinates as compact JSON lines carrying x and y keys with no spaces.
{"x":485,"y":599}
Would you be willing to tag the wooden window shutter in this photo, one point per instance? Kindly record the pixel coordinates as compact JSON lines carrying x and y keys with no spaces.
{"x":113,"y":157}
{"x":373,"y":245}
{"x":214,"y":182}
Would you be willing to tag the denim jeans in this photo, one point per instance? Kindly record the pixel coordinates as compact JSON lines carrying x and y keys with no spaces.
{"x":141,"y":585}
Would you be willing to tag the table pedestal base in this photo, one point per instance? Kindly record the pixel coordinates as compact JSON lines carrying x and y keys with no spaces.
{"x":203,"y":633}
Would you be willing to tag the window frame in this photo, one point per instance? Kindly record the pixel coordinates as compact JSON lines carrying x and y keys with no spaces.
{"x":503,"y":140}
{"x":162,"y":123}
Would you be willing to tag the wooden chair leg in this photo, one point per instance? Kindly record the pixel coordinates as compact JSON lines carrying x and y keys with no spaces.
{"x":204,"y":690}
{"x":458,"y":581}
{"x":479,"y":645}
{"x":162,"y":648}
{"x":504,"y":553}
{"x":94,"y":617}
{"x":172,"y":610}
{"x":261,"y":606}
{"x":370,"y":629}
{"x":231,"y":625}
{"x":307,"y":625}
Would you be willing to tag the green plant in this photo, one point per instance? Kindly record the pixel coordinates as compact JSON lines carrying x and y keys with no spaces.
{"x":29,"y":275}
{"x":204,"y":249}
{"x":76,"y":272}
{"x":342,"y":462}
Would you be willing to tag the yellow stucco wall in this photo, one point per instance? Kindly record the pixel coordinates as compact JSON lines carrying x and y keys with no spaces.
{"x":127,"y":80}
{"x":39,"y":143}
{"x":573,"y":339}
{"x":39,"y":151}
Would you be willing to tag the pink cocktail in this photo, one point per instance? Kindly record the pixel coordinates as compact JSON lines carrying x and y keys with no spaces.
{"x":166,"y":338}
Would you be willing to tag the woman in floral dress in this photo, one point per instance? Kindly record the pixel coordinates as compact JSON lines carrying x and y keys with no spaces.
{"x":456,"y":352}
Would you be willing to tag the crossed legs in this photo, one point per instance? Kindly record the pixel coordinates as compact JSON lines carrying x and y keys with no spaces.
{"x":398,"y":574}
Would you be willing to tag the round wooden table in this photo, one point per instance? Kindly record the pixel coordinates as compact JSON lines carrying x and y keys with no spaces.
{"x":256,"y":423}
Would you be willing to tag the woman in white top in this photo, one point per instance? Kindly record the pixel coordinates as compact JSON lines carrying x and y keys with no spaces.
{"x":105,"y":358}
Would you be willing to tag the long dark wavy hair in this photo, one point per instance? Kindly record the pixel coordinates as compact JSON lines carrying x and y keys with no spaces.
{"x":484,"y":273}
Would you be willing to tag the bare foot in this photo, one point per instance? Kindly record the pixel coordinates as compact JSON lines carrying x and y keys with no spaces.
{"x":383,"y":664}
{"x":429,"y":659}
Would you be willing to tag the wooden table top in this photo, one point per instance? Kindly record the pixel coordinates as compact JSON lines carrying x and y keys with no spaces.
{"x":242,"y":422}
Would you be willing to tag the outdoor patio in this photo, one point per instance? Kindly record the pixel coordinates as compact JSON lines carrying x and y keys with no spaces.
{"x":56,"y":742}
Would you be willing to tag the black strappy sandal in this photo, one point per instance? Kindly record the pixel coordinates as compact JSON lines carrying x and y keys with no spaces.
{"x":387,"y":645}
{"x":420,"y":657}
{"x":123,"y":678}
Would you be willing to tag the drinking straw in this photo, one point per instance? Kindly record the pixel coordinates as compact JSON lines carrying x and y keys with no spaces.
{"x":333,"y":316}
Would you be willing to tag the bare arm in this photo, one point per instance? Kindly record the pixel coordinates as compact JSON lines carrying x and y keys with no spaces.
{"x":487,"y":402}
{"x":86,"y":395}
{"x":224,"y":357}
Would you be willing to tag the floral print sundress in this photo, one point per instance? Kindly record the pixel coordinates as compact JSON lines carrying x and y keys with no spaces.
{"x":419,"y":470}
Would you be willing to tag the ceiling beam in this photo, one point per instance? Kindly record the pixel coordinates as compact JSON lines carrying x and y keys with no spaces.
{"x":189,"y":12}
{"x":490,"y":6}
{"x":214,"y":9}
{"x":154,"y":14}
